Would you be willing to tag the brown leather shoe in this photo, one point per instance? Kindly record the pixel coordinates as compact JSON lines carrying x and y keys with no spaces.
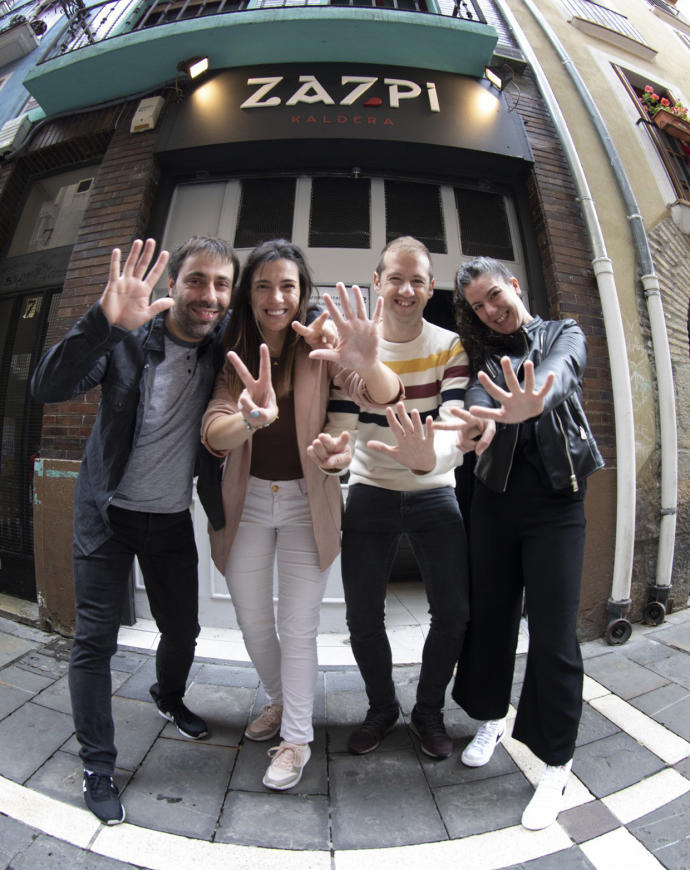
{"x":428,"y":726}
{"x":370,"y":733}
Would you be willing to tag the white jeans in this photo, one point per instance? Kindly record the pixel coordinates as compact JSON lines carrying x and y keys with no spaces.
{"x":276,"y":521}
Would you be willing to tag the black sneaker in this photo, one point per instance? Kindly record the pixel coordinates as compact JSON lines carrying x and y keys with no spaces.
{"x":370,"y":733}
{"x":102,"y":798}
{"x":428,"y":726}
{"x":188,"y":723}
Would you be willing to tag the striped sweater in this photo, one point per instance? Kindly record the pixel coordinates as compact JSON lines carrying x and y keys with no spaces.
{"x":434,"y":371}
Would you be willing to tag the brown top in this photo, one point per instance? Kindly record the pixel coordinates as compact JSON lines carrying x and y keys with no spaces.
{"x":275,"y":454}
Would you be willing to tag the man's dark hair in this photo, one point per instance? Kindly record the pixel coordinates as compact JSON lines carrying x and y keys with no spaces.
{"x":216,"y":248}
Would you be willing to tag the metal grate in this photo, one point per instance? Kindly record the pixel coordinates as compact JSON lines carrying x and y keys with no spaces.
{"x":595,"y":13}
{"x":484,"y":227}
{"x":340,"y":213}
{"x":414,"y":209}
{"x":267,"y":207}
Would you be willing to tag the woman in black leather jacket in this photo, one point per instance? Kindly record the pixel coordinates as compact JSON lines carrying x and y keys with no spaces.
{"x":534,"y":451}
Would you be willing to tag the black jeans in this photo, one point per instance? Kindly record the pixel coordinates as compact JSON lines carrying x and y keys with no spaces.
{"x":165,"y":547}
{"x":374,"y":520}
{"x":531,"y":537}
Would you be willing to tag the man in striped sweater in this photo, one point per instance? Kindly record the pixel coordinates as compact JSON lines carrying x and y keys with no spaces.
{"x":402,"y":482}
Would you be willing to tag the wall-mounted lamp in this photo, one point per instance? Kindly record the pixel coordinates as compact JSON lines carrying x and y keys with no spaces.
{"x":194,"y":66}
{"x":495,"y":80}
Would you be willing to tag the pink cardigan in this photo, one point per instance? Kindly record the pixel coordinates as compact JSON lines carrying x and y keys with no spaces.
{"x":312,"y":383}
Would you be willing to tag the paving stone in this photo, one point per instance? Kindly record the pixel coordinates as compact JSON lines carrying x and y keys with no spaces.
{"x":279,"y":820}
{"x":252,"y":761}
{"x":11,"y":699}
{"x":623,"y":677}
{"x":666,"y":833}
{"x":675,"y":635}
{"x":138,"y":684}
{"x":684,"y":767}
{"x":676,"y":668}
{"x":56,"y":696}
{"x":451,"y":771}
{"x":566,"y":859}
{"x":128,"y":661}
{"x":344,"y":681}
{"x":47,"y":853}
{"x":613,"y":763}
{"x":45,"y":664}
{"x":588,"y":821}
{"x":180,"y":787}
{"x":484,"y":805}
{"x":15,"y":837}
{"x":20,"y":678}
{"x":227,"y":675}
{"x":381,"y":800}
{"x":593,"y":648}
{"x":669,"y":705}
{"x":13,"y":647}
{"x":226,"y":711}
{"x":61,"y":778}
{"x":593,"y":726}
{"x":29,"y":736}
{"x":645,"y":651}
{"x":406,"y":680}
{"x":9,"y":626}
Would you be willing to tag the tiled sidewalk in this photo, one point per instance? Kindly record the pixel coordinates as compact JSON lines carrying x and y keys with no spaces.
{"x":202,"y":804}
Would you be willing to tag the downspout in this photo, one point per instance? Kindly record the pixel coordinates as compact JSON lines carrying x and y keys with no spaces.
{"x":658,"y":592}
{"x":618,"y":629}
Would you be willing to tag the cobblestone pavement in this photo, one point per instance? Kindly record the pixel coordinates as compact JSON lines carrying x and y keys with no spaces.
{"x":201,"y":804}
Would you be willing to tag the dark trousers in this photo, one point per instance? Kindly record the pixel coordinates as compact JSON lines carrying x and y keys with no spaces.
{"x":165,"y":547}
{"x":374,"y":520}
{"x":529,"y":537}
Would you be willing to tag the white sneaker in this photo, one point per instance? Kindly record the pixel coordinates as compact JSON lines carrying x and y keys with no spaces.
{"x":488,"y":736}
{"x":285,"y":770}
{"x":546,"y":802}
{"x":267,"y":723}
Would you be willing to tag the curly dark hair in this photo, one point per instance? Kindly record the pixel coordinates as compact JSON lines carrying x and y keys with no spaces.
{"x":478,"y":340}
{"x":242,"y":334}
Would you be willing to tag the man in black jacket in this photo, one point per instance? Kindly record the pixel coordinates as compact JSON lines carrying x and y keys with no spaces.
{"x":156,"y":363}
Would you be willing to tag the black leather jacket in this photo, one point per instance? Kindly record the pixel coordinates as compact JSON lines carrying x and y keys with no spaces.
{"x":565,"y":442}
{"x":93,"y":352}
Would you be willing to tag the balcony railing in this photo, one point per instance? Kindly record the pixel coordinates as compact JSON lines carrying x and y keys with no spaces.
{"x":595,"y":13}
{"x":96,"y":22}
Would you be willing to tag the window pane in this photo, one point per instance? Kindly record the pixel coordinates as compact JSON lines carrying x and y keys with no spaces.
{"x":339,"y":214}
{"x":484,"y":227}
{"x":266,"y":209}
{"x":415,"y":210}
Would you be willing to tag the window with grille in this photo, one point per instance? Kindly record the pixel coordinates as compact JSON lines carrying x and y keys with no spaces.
{"x":339,"y":216}
{"x":414,"y":209}
{"x":266,"y":211}
{"x":484,"y":227}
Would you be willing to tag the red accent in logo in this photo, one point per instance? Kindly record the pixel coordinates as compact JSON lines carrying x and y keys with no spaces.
{"x":374,"y":101}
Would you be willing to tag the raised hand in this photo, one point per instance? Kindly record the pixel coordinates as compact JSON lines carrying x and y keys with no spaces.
{"x":319,"y":334}
{"x":358,"y":337}
{"x":474,"y":434}
{"x":126,"y":298}
{"x":257,"y":401}
{"x":517,"y":404}
{"x":333,"y":454}
{"x":415,"y":440}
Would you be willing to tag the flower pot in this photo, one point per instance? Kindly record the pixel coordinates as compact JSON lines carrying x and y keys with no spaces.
{"x":673,"y":125}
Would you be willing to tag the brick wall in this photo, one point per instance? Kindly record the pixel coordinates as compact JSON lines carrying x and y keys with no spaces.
{"x":566,"y":257}
{"x":118,"y":212}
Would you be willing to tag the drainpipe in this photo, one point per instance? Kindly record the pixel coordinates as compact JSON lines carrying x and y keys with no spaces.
{"x":658,"y":592}
{"x":618,"y":629}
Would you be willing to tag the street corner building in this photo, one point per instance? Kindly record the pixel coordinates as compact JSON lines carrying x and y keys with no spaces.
{"x":552,"y":136}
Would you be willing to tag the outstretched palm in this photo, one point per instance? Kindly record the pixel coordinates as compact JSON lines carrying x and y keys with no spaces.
{"x":358,"y":337}
{"x":126,"y":300}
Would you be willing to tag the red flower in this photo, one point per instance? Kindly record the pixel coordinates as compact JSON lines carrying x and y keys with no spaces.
{"x":648,"y":89}
{"x":665,"y":102}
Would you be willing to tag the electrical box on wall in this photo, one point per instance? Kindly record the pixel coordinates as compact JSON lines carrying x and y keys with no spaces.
{"x":147,"y":114}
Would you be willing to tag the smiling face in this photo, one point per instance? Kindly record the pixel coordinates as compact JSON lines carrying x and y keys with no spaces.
{"x":406,"y":285}
{"x":275,"y":298}
{"x":497,"y":303}
{"x":202,"y":296}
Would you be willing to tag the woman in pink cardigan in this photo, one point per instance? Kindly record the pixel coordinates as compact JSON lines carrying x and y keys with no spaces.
{"x":268,"y":405}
